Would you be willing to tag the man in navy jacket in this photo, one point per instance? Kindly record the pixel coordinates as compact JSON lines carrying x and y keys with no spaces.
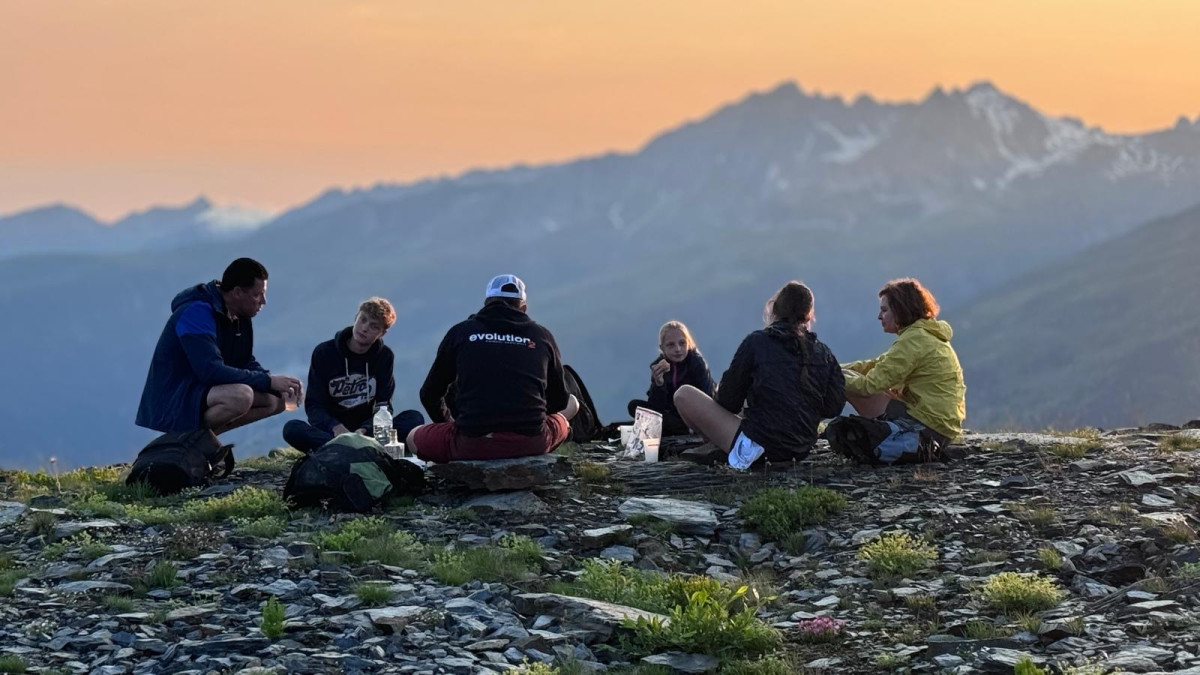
{"x":203,"y":374}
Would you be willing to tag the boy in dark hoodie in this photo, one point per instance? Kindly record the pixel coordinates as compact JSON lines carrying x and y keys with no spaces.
{"x":203,"y":374}
{"x":510,"y":398}
{"x":350,"y":377}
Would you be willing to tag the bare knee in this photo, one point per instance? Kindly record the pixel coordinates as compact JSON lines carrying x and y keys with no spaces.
{"x":410,"y":443}
{"x":686,"y":396}
{"x":572,"y":407}
{"x":239,"y":398}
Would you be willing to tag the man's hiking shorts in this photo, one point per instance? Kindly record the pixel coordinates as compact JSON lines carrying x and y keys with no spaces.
{"x":443,"y":443}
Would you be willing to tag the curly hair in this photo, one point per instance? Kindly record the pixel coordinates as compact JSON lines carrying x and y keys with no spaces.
{"x":909,"y":301}
{"x":378,"y":309}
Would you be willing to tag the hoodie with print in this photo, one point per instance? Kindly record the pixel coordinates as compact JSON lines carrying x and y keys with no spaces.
{"x":199,"y":348}
{"x":507,"y":372}
{"x":923,"y":368}
{"x":344,"y":387}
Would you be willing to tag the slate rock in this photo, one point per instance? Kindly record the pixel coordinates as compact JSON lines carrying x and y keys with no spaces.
{"x":592,"y":621}
{"x":523,"y":503}
{"x":687,"y":517}
{"x":605,"y":536}
{"x":396,"y":618}
{"x":64,"y":530}
{"x":11,"y":512}
{"x":502,"y":474}
{"x":679,"y":662}
{"x":87,"y":586}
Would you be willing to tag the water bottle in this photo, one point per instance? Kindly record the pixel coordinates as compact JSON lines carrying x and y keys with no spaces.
{"x":383,"y":425}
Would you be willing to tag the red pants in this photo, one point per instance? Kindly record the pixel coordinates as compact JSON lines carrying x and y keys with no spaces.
{"x":442,"y":443}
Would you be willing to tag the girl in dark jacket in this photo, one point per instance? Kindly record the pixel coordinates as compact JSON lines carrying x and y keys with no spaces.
{"x":679,"y":363}
{"x":781,"y":383}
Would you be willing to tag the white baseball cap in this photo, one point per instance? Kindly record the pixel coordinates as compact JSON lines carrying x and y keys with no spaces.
{"x":506,"y":286}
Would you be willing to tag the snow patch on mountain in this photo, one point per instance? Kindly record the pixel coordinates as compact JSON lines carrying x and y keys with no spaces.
{"x":850,"y":146}
{"x":234,"y":218}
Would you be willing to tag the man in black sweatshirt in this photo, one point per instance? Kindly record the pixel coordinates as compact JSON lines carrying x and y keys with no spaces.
{"x":349,"y":378}
{"x":510,"y":399}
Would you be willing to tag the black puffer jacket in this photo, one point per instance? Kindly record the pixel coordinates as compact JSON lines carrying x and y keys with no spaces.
{"x":783,"y":384}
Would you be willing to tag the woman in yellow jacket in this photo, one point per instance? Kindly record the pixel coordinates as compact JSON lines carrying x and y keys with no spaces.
{"x":918,"y":378}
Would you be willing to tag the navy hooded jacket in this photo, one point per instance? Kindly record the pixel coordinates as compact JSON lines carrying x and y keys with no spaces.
{"x":693,"y":370}
{"x":344,"y":387}
{"x":200,"y":347}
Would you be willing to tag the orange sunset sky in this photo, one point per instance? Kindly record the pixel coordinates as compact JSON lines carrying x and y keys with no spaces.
{"x":114,"y":105}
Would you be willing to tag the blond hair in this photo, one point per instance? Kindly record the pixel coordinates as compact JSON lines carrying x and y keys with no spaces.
{"x":677,"y":325}
{"x":378,"y":309}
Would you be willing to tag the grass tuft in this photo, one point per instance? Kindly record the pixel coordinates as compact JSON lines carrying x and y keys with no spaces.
{"x":1012,"y":592}
{"x":896,"y":554}
{"x":777,"y":512}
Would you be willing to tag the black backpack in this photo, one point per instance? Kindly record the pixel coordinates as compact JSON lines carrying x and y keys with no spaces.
{"x":585,"y":426}
{"x":351,"y":473}
{"x":179,"y":460}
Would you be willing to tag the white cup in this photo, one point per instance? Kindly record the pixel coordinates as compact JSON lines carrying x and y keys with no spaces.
{"x":626,"y":434}
{"x":651,"y":447}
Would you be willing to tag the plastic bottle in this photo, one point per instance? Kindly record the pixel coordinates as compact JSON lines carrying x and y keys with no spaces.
{"x":383,"y":425}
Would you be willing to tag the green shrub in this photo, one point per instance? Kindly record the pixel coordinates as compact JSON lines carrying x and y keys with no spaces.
{"x":983,"y":629}
{"x":41,"y":524}
{"x":1071,"y":450}
{"x":1050,"y":557}
{"x":118,"y":603}
{"x":706,"y":625}
{"x":85,"y":479}
{"x":767,"y":665}
{"x":1190,"y":570}
{"x":351,"y":531}
{"x":1026,"y":666}
{"x":592,"y":472}
{"x":164,"y":574}
{"x":373,"y":594}
{"x":1040,"y":517}
{"x":778,"y":512}
{"x":515,"y":558}
{"x":272,"y":619}
{"x":7,"y":562}
{"x":8,"y":581}
{"x":191,"y":539}
{"x":267,"y":527}
{"x":12,"y":664}
{"x":1177,"y":443}
{"x":896,"y":554}
{"x":246,"y":502}
{"x":1012,"y":592}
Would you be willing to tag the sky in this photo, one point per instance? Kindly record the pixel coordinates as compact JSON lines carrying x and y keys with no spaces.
{"x":115,"y":105}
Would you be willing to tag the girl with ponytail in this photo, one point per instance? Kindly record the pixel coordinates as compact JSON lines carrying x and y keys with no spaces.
{"x":781,"y":383}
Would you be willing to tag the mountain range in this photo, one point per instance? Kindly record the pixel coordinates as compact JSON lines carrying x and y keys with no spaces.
{"x":59,"y":228}
{"x":970,"y":190}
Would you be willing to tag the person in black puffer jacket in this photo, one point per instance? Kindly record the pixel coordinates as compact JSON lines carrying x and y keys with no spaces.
{"x":679,"y":362}
{"x":781,"y":383}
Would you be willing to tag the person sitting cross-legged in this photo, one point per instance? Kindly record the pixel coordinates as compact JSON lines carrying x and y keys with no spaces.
{"x":349,"y":378}
{"x":510,"y":398}
{"x":781,"y":383}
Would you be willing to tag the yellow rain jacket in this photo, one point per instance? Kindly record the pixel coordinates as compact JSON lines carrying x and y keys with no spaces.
{"x":923,"y":369}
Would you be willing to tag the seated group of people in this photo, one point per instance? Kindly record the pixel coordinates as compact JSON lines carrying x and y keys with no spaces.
{"x":783,"y":381}
{"x":496,"y":388}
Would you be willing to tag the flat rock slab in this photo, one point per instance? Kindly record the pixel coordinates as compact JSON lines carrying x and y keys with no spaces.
{"x":592,"y":620}
{"x":524,"y":503}
{"x":601,"y":537}
{"x":687,"y":517}
{"x":10,"y":512}
{"x":502,"y":474}
{"x":679,"y":662}
{"x":396,"y":618}
{"x":89,"y":586}
{"x":64,"y":530}
{"x":1138,"y":478}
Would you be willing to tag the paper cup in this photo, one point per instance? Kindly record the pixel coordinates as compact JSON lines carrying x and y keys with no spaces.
{"x":651,"y":447}
{"x":626,"y":434}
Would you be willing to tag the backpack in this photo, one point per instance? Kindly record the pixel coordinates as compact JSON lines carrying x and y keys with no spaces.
{"x":179,"y":460}
{"x":351,"y":473}
{"x":880,"y":442}
{"x":585,"y":426}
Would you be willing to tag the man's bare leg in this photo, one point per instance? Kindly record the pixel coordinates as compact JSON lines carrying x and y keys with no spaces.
{"x":234,"y":405}
{"x":700,"y":412}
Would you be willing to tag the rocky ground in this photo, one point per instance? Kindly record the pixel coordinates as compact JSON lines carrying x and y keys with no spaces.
{"x":88,"y":584}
